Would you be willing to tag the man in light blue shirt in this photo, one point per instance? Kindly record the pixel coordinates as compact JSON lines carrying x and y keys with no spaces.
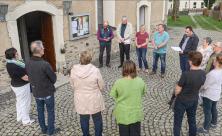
{"x":159,"y":43}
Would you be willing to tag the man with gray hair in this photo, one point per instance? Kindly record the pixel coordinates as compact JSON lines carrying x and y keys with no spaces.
{"x":217,"y":48}
{"x":124,"y":33}
{"x":42,"y":79}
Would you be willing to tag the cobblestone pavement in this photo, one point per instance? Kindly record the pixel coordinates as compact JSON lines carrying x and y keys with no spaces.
{"x":158,"y":120}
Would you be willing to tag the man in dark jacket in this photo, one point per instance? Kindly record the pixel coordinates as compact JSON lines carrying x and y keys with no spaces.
{"x":188,"y":43}
{"x":42,"y":79}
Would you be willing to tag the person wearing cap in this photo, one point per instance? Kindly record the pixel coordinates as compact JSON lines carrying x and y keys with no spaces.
{"x":206,"y":50}
{"x":217,"y":48}
{"x":188,"y":43}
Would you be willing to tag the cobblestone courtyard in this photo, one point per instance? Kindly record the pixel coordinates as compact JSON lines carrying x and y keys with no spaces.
{"x":158,"y":120}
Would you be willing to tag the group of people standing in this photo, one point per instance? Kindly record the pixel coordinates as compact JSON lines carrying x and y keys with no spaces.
{"x":37,"y":76}
{"x":124,"y":35}
{"x":200,"y":80}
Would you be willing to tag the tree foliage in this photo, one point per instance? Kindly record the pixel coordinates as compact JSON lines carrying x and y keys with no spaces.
{"x":210,"y":2}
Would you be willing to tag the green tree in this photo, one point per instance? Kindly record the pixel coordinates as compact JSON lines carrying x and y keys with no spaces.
{"x":175,"y":13}
{"x":209,"y":3}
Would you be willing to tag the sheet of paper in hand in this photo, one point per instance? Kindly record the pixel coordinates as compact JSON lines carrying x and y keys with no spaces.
{"x":176,"y":48}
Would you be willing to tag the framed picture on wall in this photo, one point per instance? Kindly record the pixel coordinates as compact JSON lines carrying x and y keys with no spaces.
{"x":79,"y":26}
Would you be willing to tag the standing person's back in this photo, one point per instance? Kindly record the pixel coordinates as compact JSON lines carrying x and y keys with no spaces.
{"x":127,"y":93}
{"x":87,"y":84}
{"x":42,"y":79}
{"x":186,"y":93}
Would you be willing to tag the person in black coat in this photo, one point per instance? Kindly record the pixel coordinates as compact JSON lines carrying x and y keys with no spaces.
{"x":42,"y":79}
{"x":188,"y":43}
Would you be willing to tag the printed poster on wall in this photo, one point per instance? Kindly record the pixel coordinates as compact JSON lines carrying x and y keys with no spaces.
{"x":79,"y":26}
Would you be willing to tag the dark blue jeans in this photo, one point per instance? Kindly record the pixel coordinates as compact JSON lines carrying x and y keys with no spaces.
{"x":98,"y":123}
{"x":184,"y":64}
{"x":180,"y":108}
{"x":162,"y":57}
{"x":210,"y":112}
{"x":141,"y":53}
{"x":50,"y":106}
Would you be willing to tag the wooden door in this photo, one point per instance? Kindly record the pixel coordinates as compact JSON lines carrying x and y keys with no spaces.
{"x":48,"y":39}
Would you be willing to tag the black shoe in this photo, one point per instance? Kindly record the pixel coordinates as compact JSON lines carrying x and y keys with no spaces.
{"x":120,"y":66}
{"x":56,"y":131}
{"x":100,"y":65}
{"x":108,"y":65}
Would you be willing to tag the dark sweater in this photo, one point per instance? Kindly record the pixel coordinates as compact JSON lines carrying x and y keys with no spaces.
{"x":41,"y":76}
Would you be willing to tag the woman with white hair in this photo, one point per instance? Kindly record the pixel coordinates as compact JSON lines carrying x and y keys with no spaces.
{"x":206,"y":50}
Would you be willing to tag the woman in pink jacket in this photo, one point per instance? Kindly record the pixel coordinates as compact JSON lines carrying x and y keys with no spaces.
{"x":87,"y":84}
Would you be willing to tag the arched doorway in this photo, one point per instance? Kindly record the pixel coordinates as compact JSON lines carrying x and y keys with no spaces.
{"x":49,"y":12}
{"x":143,"y":14}
{"x":33,"y":26}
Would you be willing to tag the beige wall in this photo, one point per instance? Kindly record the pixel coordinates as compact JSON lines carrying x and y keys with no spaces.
{"x":156,"y":11}
{"x":4,"y":38}
{"x":127,"y":8}
{"x":83,"y":6}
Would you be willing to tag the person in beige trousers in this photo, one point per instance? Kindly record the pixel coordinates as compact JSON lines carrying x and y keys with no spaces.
{"x":87,"y":84}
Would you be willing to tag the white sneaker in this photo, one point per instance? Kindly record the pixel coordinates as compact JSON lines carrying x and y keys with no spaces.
{"x":29,"y":123}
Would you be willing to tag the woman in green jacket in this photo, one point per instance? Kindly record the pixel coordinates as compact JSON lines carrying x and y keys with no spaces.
{"x":127,"y":93}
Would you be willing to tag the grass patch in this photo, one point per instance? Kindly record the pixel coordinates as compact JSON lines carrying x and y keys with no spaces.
{"x":214,"y":22}
{"x":203,"y":24}
{"x":182,"y":21}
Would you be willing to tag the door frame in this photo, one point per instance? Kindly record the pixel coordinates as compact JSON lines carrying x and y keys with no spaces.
{"x":57,"y":21}
{"x":148,"y":6}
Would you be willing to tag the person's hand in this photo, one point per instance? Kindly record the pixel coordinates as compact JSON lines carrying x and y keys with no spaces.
{"x":138,"y":46}
{"x":180,"y":52}
{"x":106,"y":39}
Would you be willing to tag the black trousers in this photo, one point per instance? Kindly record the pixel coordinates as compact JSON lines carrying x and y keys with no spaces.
{"x":124,"y":49}
{"x":106,"y":46}
{"x":130,"y":130}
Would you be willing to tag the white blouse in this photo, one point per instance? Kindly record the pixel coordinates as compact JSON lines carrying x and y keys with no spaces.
{"x":212,"y":86}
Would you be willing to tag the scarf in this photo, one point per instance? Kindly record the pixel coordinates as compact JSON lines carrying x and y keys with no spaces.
{"x":19,"y":63}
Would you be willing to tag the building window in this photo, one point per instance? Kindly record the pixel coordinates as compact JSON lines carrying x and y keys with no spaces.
{"x":202,"y":4}
{"x":194,"y":5}
{"x":3,"y":12}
